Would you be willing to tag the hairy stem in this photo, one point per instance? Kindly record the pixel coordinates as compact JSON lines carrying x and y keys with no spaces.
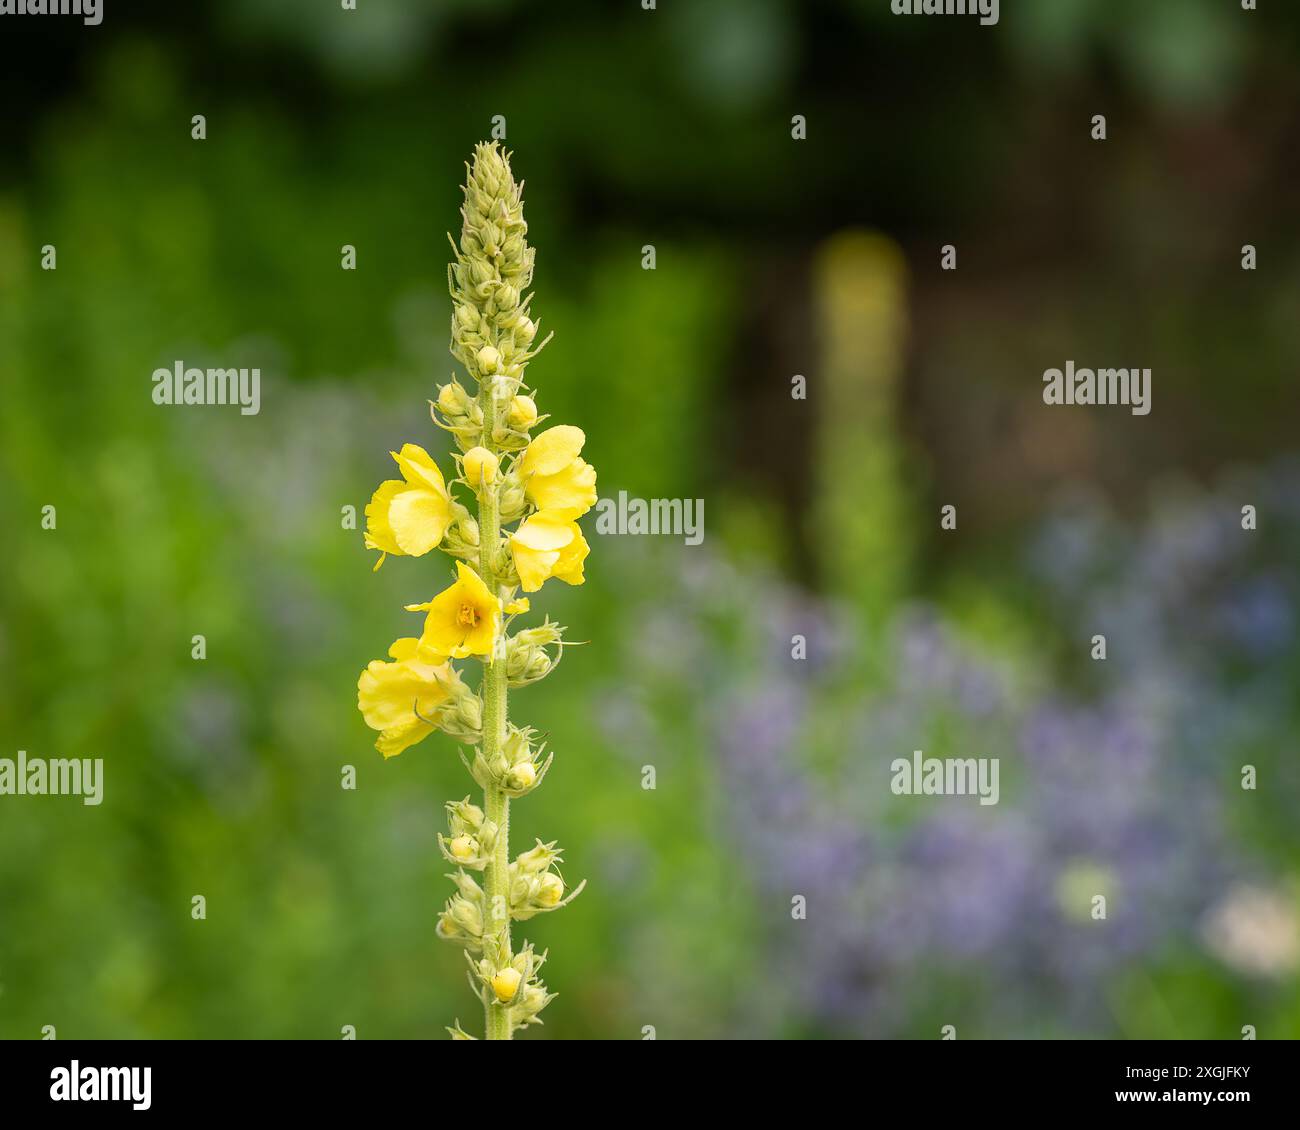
{"x":496,"y":805}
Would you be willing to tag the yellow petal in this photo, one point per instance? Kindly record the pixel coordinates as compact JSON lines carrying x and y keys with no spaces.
{"x":419,"y":518}
{"x":515,"y":607}
{"x":390,"y":694}
{"x":553,"y":450}
{"x":404,"y":648}
{"x":419,"y":469}
{"x":379,"y":534}
{"x":443,"y":673}
{"x":387,"y":694}
{"x":533,"y":565}
{"x":569,"y":493}
{"x":478,"y":641}
{"x":475,"y":589}
{"x":569,"y":567}
{"x":544,"y":531}
{"x":397,"y":738}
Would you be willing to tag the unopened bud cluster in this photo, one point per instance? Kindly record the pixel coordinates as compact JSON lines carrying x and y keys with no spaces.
{"x":514,"y":986}
{"x":517,"y":768}
{"x":470,"y":837}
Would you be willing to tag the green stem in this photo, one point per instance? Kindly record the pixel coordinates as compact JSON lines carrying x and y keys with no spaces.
{"x":496,"y":805}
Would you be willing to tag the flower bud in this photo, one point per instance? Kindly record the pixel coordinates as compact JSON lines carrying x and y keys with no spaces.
{"x":454,"y":400}
{"x":469,"y":890}
{"x":522,"y":776}
{"x":523,"y":412}
{"x":448,"y":929}
{"x":520,"y":889}
{"x":537,"y":859}
{"x":506,"y":983}
{"x":534,"y":999}
{"x":469,"y":714}
{"x":461,"y":717}
{"x":480,"y":467}
{"x":464,"y":848}
{"x":550,"y":889}
{"x":543,"y":635}
{"x":466,"y":316}
{"x":467,"y":916}
{"x":527,"y":659}
{"x":518,"y":744}
{"x":526,"y":664}
{"x":489,"y":360}
{"x":464,"y":814}
{"x":511,"y":498}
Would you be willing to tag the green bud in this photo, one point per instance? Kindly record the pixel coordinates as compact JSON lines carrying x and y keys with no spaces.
{"x":549,"y":890}
{"x":526,"y":664}
{"x":461,"y":716}
{"x":538,"y":859}
{"x":469,"y":890}
{"x":533,"y":999}
{"x":527,"y":659}
{"x":464,"y":816}
{"x":493,"y":267}
{"x":522,"y":777}
{"x":510,"y":496}
{"x":463,"y":849}
{"x":461,"y":921}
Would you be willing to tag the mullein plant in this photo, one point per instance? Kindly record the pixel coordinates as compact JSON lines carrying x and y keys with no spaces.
{"x":529,"y":490}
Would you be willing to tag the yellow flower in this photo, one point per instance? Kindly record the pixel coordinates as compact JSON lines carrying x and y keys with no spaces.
{"x":554,"y":477}
{"x":548,"y":545}
{"x":462,"y":619}
{"x":409,"y":516}
{"x":397,"y":698}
